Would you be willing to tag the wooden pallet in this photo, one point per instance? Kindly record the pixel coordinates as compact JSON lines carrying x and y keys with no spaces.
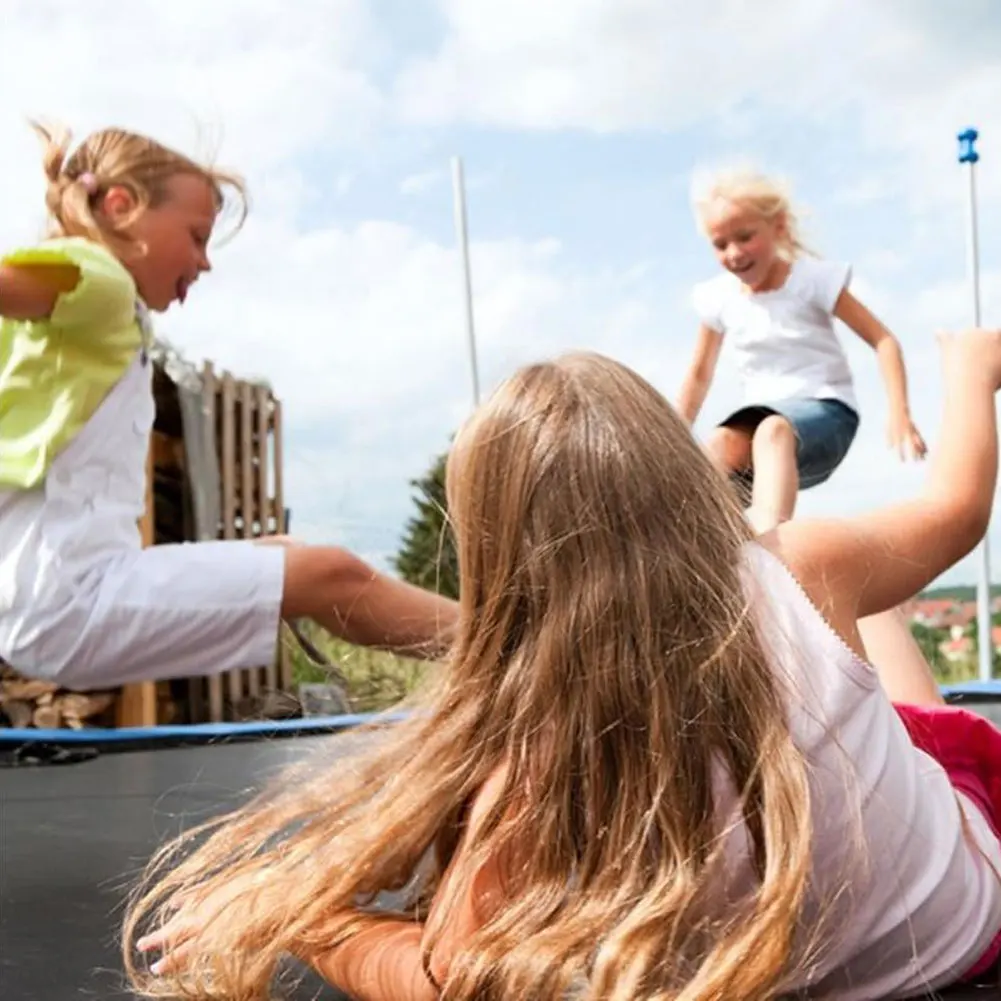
{"x":248,"y":422}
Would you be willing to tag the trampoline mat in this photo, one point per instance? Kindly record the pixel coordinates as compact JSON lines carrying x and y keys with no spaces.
{"x":73,"y":837}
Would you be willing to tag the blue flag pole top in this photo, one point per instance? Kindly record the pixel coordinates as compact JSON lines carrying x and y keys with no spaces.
{"x":968,"y":154}
{"x":967,"y":150}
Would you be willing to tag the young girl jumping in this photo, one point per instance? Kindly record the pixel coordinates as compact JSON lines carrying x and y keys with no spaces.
{"x":775,"y":304}
{"x":81,"y":602}
{"x":657,"y":764}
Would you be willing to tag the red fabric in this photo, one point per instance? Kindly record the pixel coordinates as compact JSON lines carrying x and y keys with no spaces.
{"x":968,"y":747}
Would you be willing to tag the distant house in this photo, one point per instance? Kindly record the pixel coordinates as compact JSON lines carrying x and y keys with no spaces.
{"x":957,"y":648}
{"x":941,"y":613}
{"x":960,"y":645}
{"x":954,"y":618}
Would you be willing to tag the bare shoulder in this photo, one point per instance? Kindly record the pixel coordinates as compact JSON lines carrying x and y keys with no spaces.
{"x":823,"y":556}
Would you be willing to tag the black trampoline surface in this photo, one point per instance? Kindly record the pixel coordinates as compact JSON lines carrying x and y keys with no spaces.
{"x":74,"y":836}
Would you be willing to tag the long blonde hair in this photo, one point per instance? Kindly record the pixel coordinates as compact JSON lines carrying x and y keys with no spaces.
{"x":111,"y":158}
{"x":606,"y":654}
{"x":766,"y":196}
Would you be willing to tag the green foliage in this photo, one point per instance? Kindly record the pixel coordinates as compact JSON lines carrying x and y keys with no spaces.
{"x":427,"y":555}
{"x":376,"y":680}
{"x":972,"y":631}
{"x":929,"y":640}
{"x":950,"y":671}
{"x":958,"y":593}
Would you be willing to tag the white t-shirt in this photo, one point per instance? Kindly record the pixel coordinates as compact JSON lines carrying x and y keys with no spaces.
{"x":783,"y":341}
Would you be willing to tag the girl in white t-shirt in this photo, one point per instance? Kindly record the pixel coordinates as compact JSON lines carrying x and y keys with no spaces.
{"x":775,"y":305}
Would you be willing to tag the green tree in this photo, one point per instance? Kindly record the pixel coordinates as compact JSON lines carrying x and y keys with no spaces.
{"x":973,"y":631}
{"x":427,"y":555}
{"x":929,"y":640}
{"x":947,"y":671}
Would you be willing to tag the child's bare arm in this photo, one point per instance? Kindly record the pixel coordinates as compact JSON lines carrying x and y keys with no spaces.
{"x":382,"y":963}
{"x":700,"y":373}
{"x":386,"y":962}
{"x":860,"y":566}
{"x":357,"y":603}
{"x":29,"y":292}
{"x":903,"y":434}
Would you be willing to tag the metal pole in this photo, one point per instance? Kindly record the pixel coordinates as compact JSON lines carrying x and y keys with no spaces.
{"x":462,"y":236}
{"x":969,"y":155}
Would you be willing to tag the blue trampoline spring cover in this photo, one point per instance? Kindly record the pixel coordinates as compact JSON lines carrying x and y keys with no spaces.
{"x":986,"y":694}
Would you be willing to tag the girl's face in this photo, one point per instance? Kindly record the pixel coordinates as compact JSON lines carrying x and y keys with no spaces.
{"x":746,"y":244}
{"x":175,"y":233}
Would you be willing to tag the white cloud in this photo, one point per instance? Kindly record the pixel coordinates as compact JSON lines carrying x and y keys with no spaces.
{"x":616,"y":64}
{"x":895,"y":69}
{"x":365,"y":343}
{"x":245,"y":78}
{"x":342,"y":183}
{"x":415,"y":184}
{"x":940,"y":305}
{"x":865,"y":190}
{"x":367,"y":315}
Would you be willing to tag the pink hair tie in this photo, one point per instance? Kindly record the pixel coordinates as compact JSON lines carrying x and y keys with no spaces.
{"x":89,"y":182}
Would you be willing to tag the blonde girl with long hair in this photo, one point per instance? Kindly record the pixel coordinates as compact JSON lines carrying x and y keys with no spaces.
{"x":656,"y":764}
{"x":774,"y":306}
{"x":81,"y":602}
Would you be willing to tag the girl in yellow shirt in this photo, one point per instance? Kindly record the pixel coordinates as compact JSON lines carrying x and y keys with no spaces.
{"x":81,"y":601}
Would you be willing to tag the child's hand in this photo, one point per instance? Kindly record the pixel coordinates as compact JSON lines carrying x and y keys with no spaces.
{"x":173,"y":940}
{"x":905,"y":438}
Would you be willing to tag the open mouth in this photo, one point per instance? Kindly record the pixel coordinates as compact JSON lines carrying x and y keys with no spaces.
{"x":181,"y":290}
{"x":743,"y":268}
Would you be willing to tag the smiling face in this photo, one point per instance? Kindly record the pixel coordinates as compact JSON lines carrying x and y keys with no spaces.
{"x":174,"y":231}
{"x":747,"y":244}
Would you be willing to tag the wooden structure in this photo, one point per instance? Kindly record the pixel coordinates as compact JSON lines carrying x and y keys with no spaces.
{"x":240,"y":424}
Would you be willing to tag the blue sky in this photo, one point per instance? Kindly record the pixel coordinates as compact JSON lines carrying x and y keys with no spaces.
{"x":580,"y":123}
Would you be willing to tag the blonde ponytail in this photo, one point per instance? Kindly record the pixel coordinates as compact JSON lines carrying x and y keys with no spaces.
{"x":71,"y":186}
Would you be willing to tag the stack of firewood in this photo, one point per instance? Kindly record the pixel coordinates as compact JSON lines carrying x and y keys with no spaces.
{"x":42,"y":705}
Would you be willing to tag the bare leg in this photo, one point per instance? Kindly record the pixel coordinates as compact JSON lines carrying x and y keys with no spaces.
{"x":277,"y":540}
{"x":361,"y":605}
{"x":903,"y":671}
{"x":776,"y":478}
{"x":730,"y":449}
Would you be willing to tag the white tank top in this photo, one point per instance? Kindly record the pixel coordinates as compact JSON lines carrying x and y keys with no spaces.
{"x":919,"y":905}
